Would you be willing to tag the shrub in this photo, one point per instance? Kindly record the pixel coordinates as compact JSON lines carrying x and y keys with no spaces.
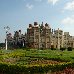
{"x":41,"y":48}
{"x":62,"y":49}
{"x":53,"y":48}
{"x":40,"y":69}
{"x":69,"y":48}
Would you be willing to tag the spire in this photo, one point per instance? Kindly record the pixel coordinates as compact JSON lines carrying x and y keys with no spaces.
{"x":42,"y":24}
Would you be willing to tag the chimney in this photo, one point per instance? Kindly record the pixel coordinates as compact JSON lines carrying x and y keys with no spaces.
{"x":46,"y":24}
{"x":20,"y":31}
{"x":35,"y":23}
{"x":30,"y":25}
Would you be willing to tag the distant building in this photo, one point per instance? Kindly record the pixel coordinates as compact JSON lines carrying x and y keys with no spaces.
{"x":57,"y":39}
{"x":9,"y":40}
{"x":68,"y":40}
{"x":40,"y":36}
{"x":16,"y":41}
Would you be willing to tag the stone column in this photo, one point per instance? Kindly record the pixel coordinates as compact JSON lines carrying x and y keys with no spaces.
{"x":58,"y":40}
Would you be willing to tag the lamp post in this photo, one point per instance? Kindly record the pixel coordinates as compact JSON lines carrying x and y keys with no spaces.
{"x":6,"y":28}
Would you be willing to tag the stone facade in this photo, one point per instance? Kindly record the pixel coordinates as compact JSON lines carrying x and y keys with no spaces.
{"x":16,"y":41}
{"x":40,"y":36}
{"x":57,"y":39}
{"x":68,"y":40}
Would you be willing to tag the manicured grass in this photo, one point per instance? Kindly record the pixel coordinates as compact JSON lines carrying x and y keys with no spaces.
{"x":51,"y":54}
{"x":23,"y":60}
{"x":20,"y":55}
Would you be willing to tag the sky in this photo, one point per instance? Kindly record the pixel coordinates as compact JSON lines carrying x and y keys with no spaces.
{"x":18,"y":14}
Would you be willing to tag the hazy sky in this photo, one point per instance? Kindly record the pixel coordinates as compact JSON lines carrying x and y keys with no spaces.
{"x":17,"y":14}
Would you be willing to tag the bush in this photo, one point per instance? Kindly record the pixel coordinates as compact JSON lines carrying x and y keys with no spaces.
{"x":62,"y":49}
{"x":53,"y":48}
{"x":69,"y":48}
{"x":41,"y":48}
{"x":22,"y":69}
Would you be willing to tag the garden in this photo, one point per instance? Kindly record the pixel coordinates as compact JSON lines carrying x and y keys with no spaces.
{"x":35,"y":61}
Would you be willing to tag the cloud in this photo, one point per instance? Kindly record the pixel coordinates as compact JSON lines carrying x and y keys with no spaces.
{"x":69,"y":6}
{"x":68,"y":24}
{"x":29,"y":6}
{"x":53,"y":1}
{"x":68,"y":20}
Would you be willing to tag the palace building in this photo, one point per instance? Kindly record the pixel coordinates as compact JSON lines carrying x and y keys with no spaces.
{"x":40,"y":36}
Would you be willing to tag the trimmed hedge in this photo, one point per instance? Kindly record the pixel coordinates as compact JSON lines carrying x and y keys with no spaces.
{"x":32,"y":69}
